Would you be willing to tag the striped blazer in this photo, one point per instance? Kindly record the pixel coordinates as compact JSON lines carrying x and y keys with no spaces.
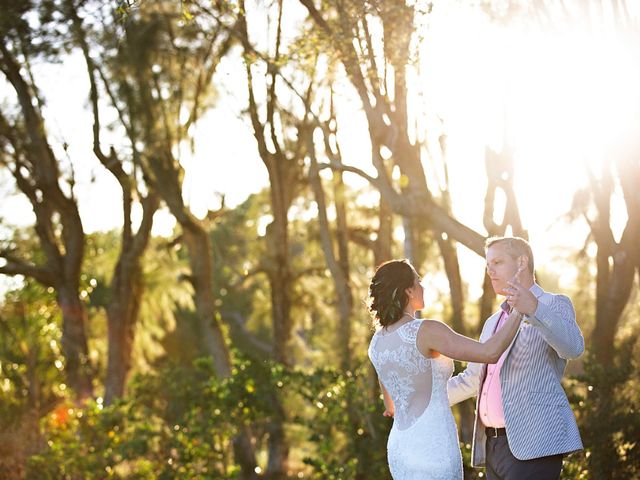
{"x":538,"y":418}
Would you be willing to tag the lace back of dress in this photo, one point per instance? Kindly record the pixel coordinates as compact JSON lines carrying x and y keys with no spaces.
{"x":404,"y":371}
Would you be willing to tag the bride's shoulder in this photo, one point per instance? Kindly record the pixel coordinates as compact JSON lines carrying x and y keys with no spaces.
{"x":431,"y":322}
{"x":431,"y":325}
{"x":376,"y":332}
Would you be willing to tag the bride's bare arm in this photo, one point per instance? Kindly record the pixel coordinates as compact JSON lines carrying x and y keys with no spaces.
{"x":389,"y":408}
{"x":436,"y":336}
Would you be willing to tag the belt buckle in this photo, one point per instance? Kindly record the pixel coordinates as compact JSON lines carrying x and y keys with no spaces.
{"x":494,"y":432}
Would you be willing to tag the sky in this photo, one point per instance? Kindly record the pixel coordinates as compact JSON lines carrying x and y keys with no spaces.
{"x":560,"y":99}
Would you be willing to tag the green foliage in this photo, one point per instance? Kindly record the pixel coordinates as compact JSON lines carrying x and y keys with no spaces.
{"x":179,"y":422}
{"x":343,"y":418}
{"x":35,"y":26}
{"x":234,"y":239}
{"x":176,"y":423}
{"x":31,"y":363}
{"x":607,"y":402}
{"x":31,"y":372}
{"x":165,"y":296}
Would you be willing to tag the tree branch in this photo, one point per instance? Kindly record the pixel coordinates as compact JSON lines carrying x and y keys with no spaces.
{"x":246,"y":341}
{"x":15,"y":266}
{"x":334,"y":165}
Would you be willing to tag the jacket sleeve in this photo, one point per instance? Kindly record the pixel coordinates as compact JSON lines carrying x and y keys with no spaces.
{"x":464,"y":385}
{"x":556,"y":320}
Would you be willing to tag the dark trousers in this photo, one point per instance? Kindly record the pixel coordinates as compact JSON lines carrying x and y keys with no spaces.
{"x":502,"y":465}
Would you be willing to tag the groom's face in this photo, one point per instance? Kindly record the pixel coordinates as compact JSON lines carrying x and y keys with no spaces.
{"x":501,"y":267}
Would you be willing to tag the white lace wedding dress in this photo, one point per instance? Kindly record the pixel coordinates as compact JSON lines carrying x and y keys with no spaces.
{"x":423,"y":442}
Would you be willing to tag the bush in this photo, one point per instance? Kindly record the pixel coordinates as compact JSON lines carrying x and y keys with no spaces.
{"x":607,"y":402}
{"x":179,"y":423}
{"x":175,"y":423}
{"x":343,"y":418}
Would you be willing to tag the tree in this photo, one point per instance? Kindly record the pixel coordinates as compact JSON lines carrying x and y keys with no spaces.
{"x":127,"y":282}
{"x":27,"y":153}
{"x":378,"y":72}
{"x":337,"y":258}
{"x":281,"y":145}
{"x":617,"y":267}
{"x":160,"y":75}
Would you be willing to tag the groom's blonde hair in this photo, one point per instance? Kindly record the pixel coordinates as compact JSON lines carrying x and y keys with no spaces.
{"x":515,"y":246}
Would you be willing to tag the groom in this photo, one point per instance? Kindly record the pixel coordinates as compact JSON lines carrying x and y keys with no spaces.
{"x":523,"y":422}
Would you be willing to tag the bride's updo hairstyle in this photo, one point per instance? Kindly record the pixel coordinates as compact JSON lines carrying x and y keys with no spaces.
{"x":387,"y":292}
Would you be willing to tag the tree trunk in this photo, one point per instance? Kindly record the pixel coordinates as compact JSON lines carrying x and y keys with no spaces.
{"x":280,"y":284}
{"x":486,"y":303}
{"x":612,"y":295}
{"x":280,"y":280}
{"x":74,"y":342}
{"x":197,"y":241}
{"x":244,"y":454}
{"x":338,"y":264}
{"x":384,"y":238}
{"x":127,"y":289}
{"x":122,"y":315}
{"x":278,"y":445}
{"x":344,"y":293}
{"x":452,"y":270}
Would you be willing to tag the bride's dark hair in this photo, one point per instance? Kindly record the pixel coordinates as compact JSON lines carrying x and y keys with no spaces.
{"x":387,"y":291}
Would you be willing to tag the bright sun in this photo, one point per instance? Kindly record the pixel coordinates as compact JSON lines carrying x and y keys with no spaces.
{"x":563,"y":100}
{"x":566,"y":94}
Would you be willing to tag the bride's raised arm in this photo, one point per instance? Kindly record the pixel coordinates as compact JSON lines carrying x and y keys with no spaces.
{"x":438,"y":337}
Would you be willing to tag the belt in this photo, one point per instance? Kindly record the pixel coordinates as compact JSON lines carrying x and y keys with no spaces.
{"x":493,"y":432}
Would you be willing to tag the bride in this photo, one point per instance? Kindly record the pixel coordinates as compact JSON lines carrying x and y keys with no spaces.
{"x":413,"y":360}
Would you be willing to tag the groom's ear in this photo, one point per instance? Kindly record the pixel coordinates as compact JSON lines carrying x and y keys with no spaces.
{"x":522,"y":262}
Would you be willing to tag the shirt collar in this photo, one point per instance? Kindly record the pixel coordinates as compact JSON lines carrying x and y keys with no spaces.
{"x":536,"y":290}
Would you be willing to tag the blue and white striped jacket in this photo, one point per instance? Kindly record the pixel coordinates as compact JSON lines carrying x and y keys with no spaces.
{"x":538,"y":418}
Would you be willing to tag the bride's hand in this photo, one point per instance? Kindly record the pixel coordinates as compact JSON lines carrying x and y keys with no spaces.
{"x":388,"y":413}
{"x":521,"y":298}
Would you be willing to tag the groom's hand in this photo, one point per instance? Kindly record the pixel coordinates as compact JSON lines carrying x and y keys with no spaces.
{"x":521,"y":298}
